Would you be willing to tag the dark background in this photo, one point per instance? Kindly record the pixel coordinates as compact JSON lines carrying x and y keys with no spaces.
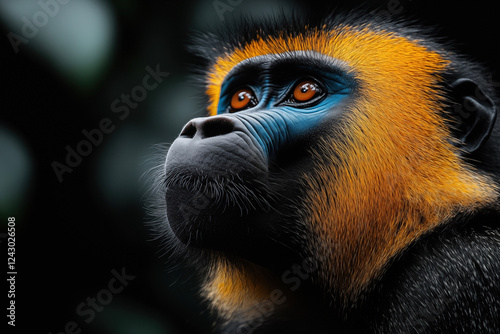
{"x":72,"y":234}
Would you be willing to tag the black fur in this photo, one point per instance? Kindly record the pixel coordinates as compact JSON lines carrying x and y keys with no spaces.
{"x":447,"y":282}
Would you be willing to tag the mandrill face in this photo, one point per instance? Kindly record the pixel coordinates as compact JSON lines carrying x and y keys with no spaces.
{"x":235,"y":179}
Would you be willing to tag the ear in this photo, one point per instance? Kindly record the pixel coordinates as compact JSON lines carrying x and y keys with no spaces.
{"x":474,"y":114}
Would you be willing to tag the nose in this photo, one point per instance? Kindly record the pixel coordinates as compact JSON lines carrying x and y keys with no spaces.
{"x":207,"y":127}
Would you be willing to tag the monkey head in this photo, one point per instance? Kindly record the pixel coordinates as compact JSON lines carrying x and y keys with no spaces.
{"x":339,"y":141}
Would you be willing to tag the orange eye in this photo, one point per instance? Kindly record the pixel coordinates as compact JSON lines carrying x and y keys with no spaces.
{"x":305,"y":91}
{"x":242,"y":99}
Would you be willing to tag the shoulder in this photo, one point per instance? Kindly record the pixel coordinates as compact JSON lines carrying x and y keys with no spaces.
{"x":449,"y":281}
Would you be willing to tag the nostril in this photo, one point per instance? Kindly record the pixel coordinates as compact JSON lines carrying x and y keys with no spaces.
{"x":189,"y":130}
{"x":216,"y":126}
{"x":208,"y":127}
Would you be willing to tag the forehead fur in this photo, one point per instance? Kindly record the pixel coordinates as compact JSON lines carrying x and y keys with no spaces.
{"x":373,"y":56}
{"x":220,"y":44}
{"x":374,"y":51}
